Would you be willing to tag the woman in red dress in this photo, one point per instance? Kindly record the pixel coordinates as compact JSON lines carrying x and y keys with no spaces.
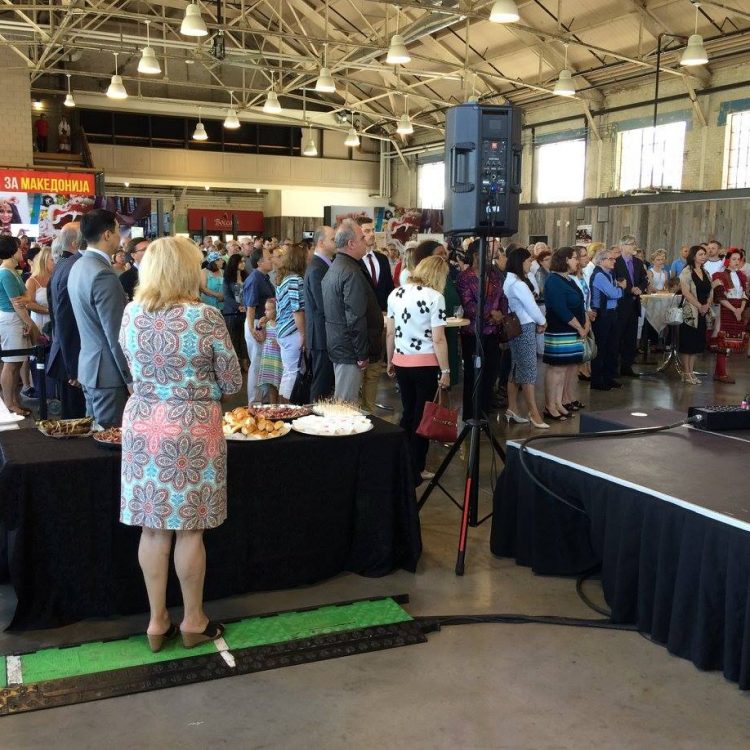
{"x":729,"y":291}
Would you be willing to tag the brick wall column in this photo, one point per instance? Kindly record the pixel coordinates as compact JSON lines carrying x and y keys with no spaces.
{"x":17,"y":149}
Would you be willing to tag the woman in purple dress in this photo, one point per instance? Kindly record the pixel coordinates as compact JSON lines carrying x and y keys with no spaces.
{"x":174,"y":457}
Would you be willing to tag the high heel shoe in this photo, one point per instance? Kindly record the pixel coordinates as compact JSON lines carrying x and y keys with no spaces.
{"x":211,"y":632}
{"x":515,"y":417}
{"x":156,"y":642}
{"x":538,"y":425}
{"x":555,"y":417}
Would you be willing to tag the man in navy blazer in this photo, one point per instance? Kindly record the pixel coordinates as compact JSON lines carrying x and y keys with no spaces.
{"x":378,"y":271}
{"x":324,"y":249}
{"x":62,"y":364}
{"x":629,"y":268}
{"x":98,"y":301}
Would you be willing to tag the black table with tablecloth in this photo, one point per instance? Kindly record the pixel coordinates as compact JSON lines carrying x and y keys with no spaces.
{"x":667,"y":521}
{"x":300,"y":509}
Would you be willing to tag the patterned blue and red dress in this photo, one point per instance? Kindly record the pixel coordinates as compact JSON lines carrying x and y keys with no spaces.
{"x":174,"y":456}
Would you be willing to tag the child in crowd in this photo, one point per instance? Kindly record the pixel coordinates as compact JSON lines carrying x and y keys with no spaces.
{"x":271,"y":367}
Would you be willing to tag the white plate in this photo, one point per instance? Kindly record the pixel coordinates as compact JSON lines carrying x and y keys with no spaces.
{"x":330,"y":427}
{"x":344,"y":411}
{"x":252,"y":438}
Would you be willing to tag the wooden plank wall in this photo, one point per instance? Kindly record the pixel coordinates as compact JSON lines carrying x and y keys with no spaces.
{"x":655,"y":225}
{"x":290,"y":227}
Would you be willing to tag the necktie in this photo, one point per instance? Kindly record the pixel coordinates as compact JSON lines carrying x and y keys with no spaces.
{"x":373,"y":275}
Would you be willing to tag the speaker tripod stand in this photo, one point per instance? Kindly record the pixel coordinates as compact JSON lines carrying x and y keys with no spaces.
{"x":473,"y":430}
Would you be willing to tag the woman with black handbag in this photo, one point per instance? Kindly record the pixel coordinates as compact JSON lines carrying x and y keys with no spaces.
{"x":519,"y":291}
{"x":417,"y":349}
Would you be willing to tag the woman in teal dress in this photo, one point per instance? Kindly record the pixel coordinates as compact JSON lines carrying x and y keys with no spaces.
{"x":212,"y":281}
{"x":174,"y":456}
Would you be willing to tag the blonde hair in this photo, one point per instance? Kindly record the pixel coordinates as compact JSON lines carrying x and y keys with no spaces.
{"x":431,"y":272}
{"x":39,"y":264}
{"x":170,"y":273}
{"x":660,"y":252}
{"x":594,"y":248}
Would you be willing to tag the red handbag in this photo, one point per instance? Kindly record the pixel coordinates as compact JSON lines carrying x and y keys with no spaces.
{"x":438,"y":422}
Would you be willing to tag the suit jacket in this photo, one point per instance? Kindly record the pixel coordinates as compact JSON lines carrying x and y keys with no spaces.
{"x":98,"y":301}
{"x":385,"y":279}
{"x":640,"y":279}
{"x":315,"y":319}
{"x":66,"y":342}
{"x":129,"y":280}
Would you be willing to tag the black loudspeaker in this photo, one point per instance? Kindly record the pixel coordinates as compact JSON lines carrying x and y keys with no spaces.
{"x":483,"y":170}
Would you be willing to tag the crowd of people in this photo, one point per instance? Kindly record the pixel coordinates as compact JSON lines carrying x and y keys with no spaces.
{"x":152,"y":336}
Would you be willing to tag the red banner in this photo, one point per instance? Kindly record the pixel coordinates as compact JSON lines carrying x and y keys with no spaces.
{"x":33,"y":181}
{"x":247,"y":222}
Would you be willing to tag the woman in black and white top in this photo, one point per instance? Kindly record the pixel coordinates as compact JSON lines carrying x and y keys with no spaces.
{"x":518,"y":290}
{"x":417,"y":350}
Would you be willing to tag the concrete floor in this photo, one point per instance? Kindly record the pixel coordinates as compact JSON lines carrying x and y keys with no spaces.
{"x":480,"y":686}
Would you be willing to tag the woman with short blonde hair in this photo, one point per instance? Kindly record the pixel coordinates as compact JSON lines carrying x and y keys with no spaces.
{"x":431,"y":272}
{"x":174,"y":457}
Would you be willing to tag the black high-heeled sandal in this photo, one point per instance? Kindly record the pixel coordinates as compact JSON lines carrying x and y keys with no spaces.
{"x":556,"y":418}
{"x":571,"y":406}
{"x":211,"y":632}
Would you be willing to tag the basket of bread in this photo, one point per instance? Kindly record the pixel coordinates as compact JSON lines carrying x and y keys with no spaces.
{"x":240,"y":424}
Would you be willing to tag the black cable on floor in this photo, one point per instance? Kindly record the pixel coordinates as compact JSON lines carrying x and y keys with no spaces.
{"x":584,"y":598}
{"x":630,"y":432}
{"x":439,"y":621}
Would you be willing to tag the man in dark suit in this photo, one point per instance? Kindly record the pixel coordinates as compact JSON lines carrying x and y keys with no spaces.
{"x":135,"y":251}
{"x":62,"y":364}
{"x":630,"y":269}
{"x":378,"y":271}
{"x":324,"y":249}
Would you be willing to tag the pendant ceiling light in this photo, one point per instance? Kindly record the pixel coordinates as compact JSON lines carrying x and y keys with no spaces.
{"x":565,"y":85}
{"x":404,"y":124}
{"x":148,"y":63}
{"x":397,"y":52}
{"x":192,"y":23}
{"x":325,"y":83}
{"x":504,"y":11}
{"x":272,"y":105}
{"x":310,"y":148}
{"x":695,"y":53}
{"x":69,"y":100}
{"x":116,"y":89}
{"x":231,"y":121}
{"x":200,"y":133}
{"x":352,"y":139}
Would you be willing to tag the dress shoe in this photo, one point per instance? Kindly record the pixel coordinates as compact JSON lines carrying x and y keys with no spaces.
{"x":629,"y":372}
{"x":517,"y":418}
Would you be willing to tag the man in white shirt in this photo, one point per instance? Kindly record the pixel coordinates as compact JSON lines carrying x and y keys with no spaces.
{"x":713,"y":263}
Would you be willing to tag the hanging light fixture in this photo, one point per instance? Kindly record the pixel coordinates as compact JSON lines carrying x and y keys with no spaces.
{"x":192,"y":23}
{"x":404,"y":124}
{"x":310,"y":148}
{"x":565,"y":85}
{"x":504,"y":11}
{"x":69,"y":100}
{"x":200,"y":133}
{"x":397,"y":52}
{"x":116,"y":89}
{"x":272,"y":105}
{"x":695,"y":53}
{"x":148,"y":63}
{"x":231,"y":121}
{"x":352,"y":139}
{"x":325,"y":83}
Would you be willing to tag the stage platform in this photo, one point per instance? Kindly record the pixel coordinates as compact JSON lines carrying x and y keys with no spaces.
{"x":666,"y":518}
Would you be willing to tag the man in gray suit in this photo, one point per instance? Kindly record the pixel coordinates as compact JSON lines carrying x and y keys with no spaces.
{"x":98,"y":301}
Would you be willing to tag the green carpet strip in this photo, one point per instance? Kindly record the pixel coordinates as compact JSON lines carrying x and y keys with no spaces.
{"x":91,"y":658}
{"x":3,"y":681}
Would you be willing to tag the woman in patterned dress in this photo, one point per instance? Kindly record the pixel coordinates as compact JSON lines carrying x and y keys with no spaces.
{"x":174,"y":458}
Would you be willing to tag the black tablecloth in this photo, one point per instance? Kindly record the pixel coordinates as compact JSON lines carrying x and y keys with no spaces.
{"x":680,"y":576}
{"x":300,"y":509}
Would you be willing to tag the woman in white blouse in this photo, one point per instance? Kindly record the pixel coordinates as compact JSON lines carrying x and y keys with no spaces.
{"x":417,"y":350}
{"x":518,"y":290}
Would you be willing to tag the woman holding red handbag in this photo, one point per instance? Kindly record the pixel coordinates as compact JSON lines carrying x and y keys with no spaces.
{"x":417,"y":349}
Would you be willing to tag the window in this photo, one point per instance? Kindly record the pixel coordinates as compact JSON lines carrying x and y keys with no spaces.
{"x":651,"y":157}
{"x":560,"y":171}
{"x":431,"y":185}
{"x":737,"y":152}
